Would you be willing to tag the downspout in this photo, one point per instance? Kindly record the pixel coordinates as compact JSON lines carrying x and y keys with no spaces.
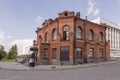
{"x":85,"y":54}
{"x":105,"y":43}
{"x":74,"y":40}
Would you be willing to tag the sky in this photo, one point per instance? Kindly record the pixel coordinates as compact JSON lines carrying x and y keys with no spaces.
{"x":19,"y":19}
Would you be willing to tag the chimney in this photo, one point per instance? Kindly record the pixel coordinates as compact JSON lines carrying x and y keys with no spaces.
{"x":78,"y":14}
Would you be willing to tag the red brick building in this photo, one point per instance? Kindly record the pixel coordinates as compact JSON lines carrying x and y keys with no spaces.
{"x":71,"y":40}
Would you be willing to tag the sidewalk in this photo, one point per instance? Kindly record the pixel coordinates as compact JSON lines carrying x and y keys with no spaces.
{"x":18,"y":66}
{"x":65,"y":67}
{"x":13,"y":66}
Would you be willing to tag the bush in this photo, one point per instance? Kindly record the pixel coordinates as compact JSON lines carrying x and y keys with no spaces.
{"x":2,"y":54}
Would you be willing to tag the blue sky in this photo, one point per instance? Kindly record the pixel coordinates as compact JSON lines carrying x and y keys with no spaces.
{"x":20,"y":18}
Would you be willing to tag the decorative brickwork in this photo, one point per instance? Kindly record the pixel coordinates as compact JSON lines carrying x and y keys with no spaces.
{"x":71,"y":40}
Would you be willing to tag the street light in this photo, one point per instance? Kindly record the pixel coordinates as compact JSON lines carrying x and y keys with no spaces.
{"x":34,"y":54}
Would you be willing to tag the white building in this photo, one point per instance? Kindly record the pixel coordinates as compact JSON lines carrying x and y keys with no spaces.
{"x":112,"y":34}
{"x":26,"y":49}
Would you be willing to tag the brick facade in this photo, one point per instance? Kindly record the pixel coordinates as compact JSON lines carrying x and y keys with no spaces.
{"x":71,"y":40}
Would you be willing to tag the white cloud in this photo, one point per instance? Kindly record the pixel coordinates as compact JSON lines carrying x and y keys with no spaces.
{"x":92,"y":8}
{"x":21,"y":43}
{"x":96,"y":12}
{"x":4,"y":38}
{"x":39,"y":19}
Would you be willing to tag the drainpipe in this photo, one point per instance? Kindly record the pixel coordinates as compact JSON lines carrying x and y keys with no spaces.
{"x":105,"y":43}
{"x":85,"y":54}
{"x":74,"y":40}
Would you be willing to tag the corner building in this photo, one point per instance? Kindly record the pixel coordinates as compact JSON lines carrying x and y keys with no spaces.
{"x":71,"y":40}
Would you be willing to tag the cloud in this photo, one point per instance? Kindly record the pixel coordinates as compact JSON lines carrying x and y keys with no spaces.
{"x":4,"y":38}
{"x":39,"y":19}
{"x":96,"y":12}
{"x":92,"y":8}
{"x":6,"y":41}
{"x":21,"y":43}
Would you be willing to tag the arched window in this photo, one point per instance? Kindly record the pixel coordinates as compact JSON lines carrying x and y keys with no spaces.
{"x":90,"y":35}
{"x":54,"y":34}
{"x":46,"y":38}
{"x":78,"y":33}
{"x":65,"y":33}
{"x":100,"y":37}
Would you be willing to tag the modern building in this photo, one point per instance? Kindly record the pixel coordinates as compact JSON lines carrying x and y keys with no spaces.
{"x":26,"y":54}
{"x":112,"y":34}
{"x":69,"y":39}
{"x":26,"y":49}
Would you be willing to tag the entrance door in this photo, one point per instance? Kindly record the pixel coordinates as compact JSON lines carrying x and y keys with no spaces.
{"x":64,"y":53}
{"x":46,"y":59}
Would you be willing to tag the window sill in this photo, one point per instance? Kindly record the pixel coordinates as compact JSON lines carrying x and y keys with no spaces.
{"x":65,"y":40}
{"x":79,"y":39}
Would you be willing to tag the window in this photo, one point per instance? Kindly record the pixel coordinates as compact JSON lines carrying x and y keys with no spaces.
{"x":54,"y":34}
{"x":90,"y":35}
{"x":45,"y":53}
{"x":78,"y":33}
{"x":65,"y":33}
{"x":64,"y":53}
{"x":46,"y":38}
{"x":54,"y":52}
{"x":91,"y":52}
{"x":101,"y":53}
{"x":65,"y":13}
{"x":78,"y":53}
{"x":100,"y":37}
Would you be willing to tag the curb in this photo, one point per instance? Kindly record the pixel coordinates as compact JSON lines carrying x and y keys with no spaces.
{"x":77,"y":67}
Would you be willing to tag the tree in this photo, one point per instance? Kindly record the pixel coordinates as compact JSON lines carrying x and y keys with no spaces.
{"x":2,"y":54}
{"x":1,"y":47}
{"x":12,"y":52}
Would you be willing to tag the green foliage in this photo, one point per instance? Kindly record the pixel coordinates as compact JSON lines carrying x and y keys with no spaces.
{"x":2,"y":54}
{"x":1,"y":47}
{"x":12,"y":52}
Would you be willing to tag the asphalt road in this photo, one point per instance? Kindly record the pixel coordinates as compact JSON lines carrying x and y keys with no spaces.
{"x":102,"y":72}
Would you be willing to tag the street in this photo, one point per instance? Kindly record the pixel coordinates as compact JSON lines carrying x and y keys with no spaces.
{"x":101,"y":72}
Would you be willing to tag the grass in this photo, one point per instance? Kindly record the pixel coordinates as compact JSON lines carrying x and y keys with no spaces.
{"x":7,"y":60}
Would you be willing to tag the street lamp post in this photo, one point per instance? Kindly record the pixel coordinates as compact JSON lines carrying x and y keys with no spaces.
{"x":34,"y":54}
